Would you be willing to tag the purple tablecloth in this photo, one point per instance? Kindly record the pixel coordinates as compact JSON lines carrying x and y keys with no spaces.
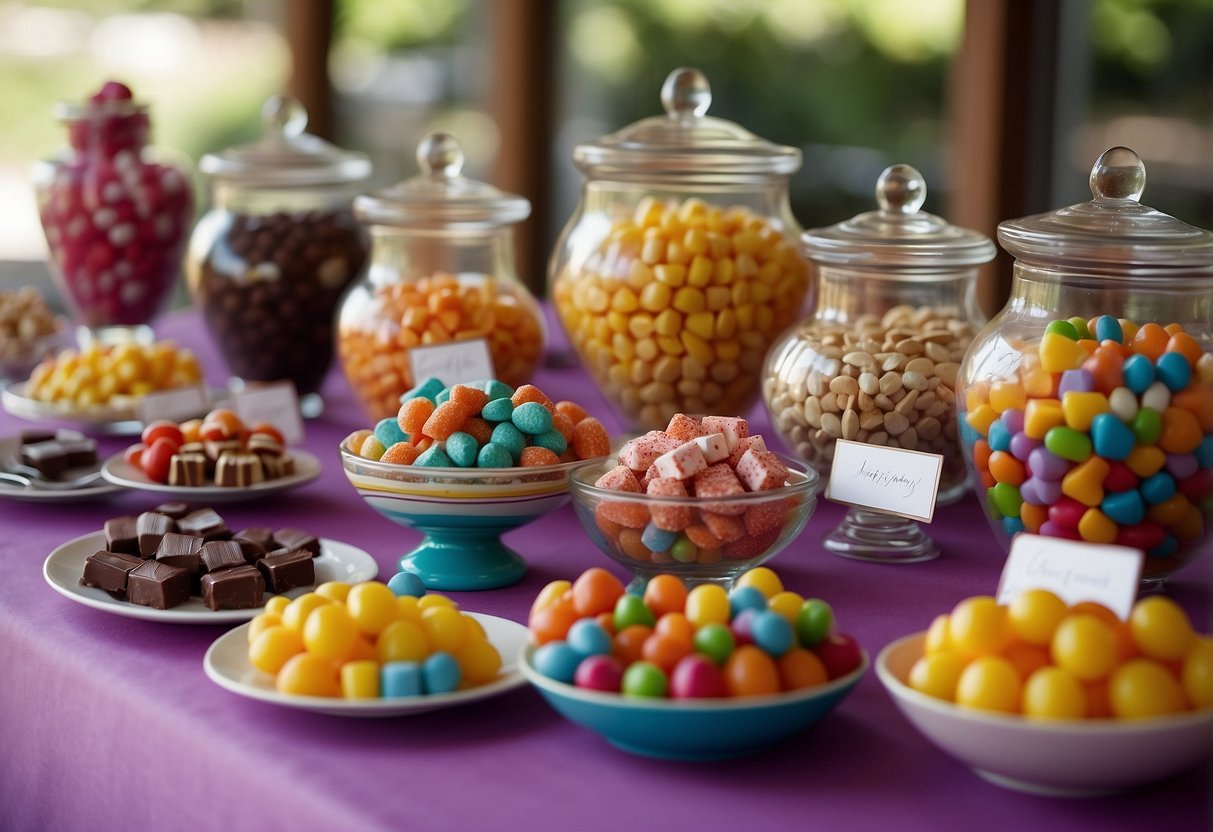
{"x":110,"y":723}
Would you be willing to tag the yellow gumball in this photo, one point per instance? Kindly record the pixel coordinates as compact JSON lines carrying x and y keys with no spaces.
{"x":1035,"y":614}
{"x":261,"y":623}
{"x":479,"y":662}
{"x":372,"y":605}
{"x":277,"y":604}
{"x":273,"y":648}
{"x":407,"y":609}
{"x":707,"y":604}
{"x":762,"y":579}
{"x":431,"y":600}
{"x":989,"y":683}
{"x":308,"y":675}
{"x":444,"y":628}
{"x":978,"y":626}
{"x":474,"y":629}
{"x":1142,"y":688}
{"x":937,"y":674}
{"x":549,"y":595}
{"x":786,"y":604}
{"x":360,"y":680}
{"x":1197,"y":674}
{"x":1161,"y":628}
{"x":938,"y":640}
{"x":329,"y":632}
{"x":1085,"y":646}
{"x":402,"y":641}
{"x":1054,"y":693}
{"x":297,"y":611}
{"x":334,"y":590}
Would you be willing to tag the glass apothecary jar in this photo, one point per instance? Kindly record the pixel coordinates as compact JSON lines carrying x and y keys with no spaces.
{"x":679,"y":266}
{"x":1087,"y":402}
{"x":269,"y":262}
{"x":441,"y":270}
{"x":878,"y":361}
{"x":116,"y":214}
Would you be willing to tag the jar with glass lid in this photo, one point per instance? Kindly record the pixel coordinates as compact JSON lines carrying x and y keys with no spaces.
{"x":441,"y":270}
{"x":1087,"y":402}
{"x":878,"y":360}
{"x":269,"y":262}
{"x":679,"y":266}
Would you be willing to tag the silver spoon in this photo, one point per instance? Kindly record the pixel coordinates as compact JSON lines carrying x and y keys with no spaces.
{"x":32,"y":478}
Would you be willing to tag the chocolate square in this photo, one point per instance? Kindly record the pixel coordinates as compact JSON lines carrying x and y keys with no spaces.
{"x":33,"y":437}
{"x":187,"y":469}
{"x":151,"y":527}
{"x":181,"y":550}
{"x":120,"y":535}
{"x":297,"y":539}
{"x":157,"y":585}
{"x":81,"y":453}
{"x":237,"y":588}
{"x":49,"y":457}
{"x":108,"y":570}
{"x":221,"y":554}
{"x":289,"y":569}
{"x":176,"y":509}
{"x":238,"y":470}
{"x":205,"y":523}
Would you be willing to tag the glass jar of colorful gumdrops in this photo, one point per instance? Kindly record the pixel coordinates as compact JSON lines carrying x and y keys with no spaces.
{"x":269,"y":262}
{"x":878,"y":360}
{"x":116,"y":216}
{"x":1087,"y":403}
{"x":441,"y":271}
{"x":679,"y":266}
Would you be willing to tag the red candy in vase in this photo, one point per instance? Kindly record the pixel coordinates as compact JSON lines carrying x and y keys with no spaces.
{"x":116,"y":220}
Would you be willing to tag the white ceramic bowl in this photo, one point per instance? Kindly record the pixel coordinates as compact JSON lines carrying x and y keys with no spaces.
{"x":1048,"y":757}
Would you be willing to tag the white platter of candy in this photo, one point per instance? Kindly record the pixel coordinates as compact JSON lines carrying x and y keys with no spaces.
{"x":64,"y":566}
{"x":388,"y":689}
{"x":120,"y":472}
{"x":72,"y":483}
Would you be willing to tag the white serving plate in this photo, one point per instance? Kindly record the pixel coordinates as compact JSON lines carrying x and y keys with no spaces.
{"x":119,"y":472}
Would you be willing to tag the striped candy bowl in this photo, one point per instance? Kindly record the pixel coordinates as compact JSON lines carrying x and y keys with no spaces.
{"x":462,"y":512}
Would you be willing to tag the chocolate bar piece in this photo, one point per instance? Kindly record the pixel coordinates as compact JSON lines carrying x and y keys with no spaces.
{"x":157,"y":585}
{"x":238,"y":470}
{"x":33,"y":437}
{"x":151,"y":527}
{"x":205,"y":523}
{"x":215,"y":448}
{"x":277,"y":467}
{"x":236,"y":588}
{"x":120,"y":535}
{"x":264,"y":446}
{"x":187,"y":469}
{"x":49,"y":457}
{"x":108,"y":570}
{"x":261,"y":536}
{"x":297,"y":539}
{"x":221,"y":554}
{"x":81,"y":453}
{"x":181,"y":550}
{"x":287,"y":569}
{"x":176,"y":509}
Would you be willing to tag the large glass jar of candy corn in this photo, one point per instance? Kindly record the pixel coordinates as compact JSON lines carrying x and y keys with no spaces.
{"x":441,"y":271}
{"x":116,"y":215}
{"x":877,"y":362}
{"x":1087,"y":403}
{"x":270,"y":261}
{"x":679,"y":266}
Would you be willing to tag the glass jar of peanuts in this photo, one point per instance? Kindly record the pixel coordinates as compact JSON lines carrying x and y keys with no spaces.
{"x":877,"y":363}
{"x":269,"y":262}
{"x":1087,"y":402}
{"x":679,"y":267}
{"x":442,"y":270}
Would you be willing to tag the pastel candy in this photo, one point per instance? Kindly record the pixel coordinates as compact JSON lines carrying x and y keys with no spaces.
{"x":1040,"y":416}
{"x":639,"y":453}
{"x":400,"y":679}
{"x":440,"y":673}
{"x":493,"y":455}
{"x":761,"y":470}
{"x":498,"y":410}
{"x":1139,"y":373}
{"x":734,"y":428}
{"x":443,"y":396}
{"x":1007,"y":395}
{"x":658,"y":539}
{"x":1040,"y":492}
{"x":1065,"y":328}
{"x":532,"y":418}
{"x":461,"y":448}
{"x":1081,"y":408}
{"x":553,"y":440}
{"x":1012,"y":419}
{"x":433,"y":457}
{"x":1180,"y":431}
{"x":1172,"y":369}
{"x":1047,"y":465}
{"x":1005,"y":498}
{"x":1108,"y":328}
{"x":1059,"y":353}
{"x":1147,"y":426}
{"x":1080,"y":326}
{"x":670,"y":518}
{"x":1051,"y":529}
{"x":1066,"y":512}
{"x":1096,"y":527}
{"x":509,"y":437}
{"x":999,"y":437}
{"x":714,"y":447}
{"x":496,"y":389}
{"x":1110,"y":438}
{"x":683,"y":427}
{"x":980,"y":418}
{"x":1012,"y":526}
{"x":719,"y":481}
{"x":1181,"y":466}
{"x":1158,"y":488}
{"x":1084,"y":483}
{"x":619,"y":478}
{"x":1068,"y":443}
{"x":1123,"y":403}
{"x":1076,"y":381}
{"x":1157,"y":397}
{"x":428,"y":389}
{"x":1146,"y":460}
{"x":1006,"y":468}
{"x":388,"y":432}
{"x":1126,"y":508}
{"x":1120,"y":477}
{"x":682,"y":463}
{"x":755,"y":442}
{"x":1022,"y":446}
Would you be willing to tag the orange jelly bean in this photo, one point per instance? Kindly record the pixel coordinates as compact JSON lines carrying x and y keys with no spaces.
{"x":1151,"y":341}
{"x":1006,"y":468}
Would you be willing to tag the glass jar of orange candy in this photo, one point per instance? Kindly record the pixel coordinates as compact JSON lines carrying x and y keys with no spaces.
{"x":679,"y":266}
{"x":441,"y":270}
{"x":1087,"y":402}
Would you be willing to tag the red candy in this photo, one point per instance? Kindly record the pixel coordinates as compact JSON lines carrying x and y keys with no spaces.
{"x":1067,"y":512}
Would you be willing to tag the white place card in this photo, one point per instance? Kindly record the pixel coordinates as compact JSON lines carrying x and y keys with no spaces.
{"x":456,"y":362}
{"x":1073,"y":571}
{"x":276,"y":403}
{"x":175,"y":405}
{"x":890,"y":480}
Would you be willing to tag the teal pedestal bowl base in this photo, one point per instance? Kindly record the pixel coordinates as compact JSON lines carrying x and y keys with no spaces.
{"x":464,"y":560}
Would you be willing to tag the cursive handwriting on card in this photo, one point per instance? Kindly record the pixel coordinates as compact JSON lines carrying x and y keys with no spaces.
{"x":891,"y":480}
{"x":1073,"y":571}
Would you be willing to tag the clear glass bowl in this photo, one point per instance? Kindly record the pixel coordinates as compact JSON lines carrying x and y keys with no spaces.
{"x":768,"y":521}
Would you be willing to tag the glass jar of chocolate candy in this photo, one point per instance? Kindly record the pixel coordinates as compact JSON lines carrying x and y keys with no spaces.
{"x":877,"y":363}
{"x":1087,"y":403}
{"x":269,"y":262}
{"x":679,"y":266}
{"x":442,"y":271}
{"x":116,"y":215}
